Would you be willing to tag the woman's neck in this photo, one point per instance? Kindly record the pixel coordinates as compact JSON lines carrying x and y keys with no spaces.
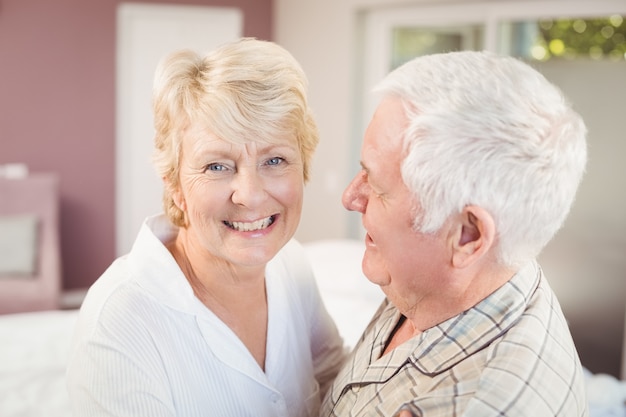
{"x":236,"y":295}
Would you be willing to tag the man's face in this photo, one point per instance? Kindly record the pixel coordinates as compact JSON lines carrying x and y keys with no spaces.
{"x":403,"y":262}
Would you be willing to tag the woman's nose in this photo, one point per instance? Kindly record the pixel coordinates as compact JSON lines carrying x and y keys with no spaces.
{"x":248,"y":188}
{"x":354,"y":197}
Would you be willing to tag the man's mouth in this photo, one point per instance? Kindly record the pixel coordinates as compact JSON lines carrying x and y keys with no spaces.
{"x":251,"y":226}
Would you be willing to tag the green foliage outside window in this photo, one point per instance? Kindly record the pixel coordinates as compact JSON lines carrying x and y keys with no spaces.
{"x":573,"y":38}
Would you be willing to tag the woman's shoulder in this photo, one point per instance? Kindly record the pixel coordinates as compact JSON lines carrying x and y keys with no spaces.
{"x":113,"y":294}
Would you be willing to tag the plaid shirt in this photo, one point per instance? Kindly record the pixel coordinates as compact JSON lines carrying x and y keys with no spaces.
{"x":510,"y":355}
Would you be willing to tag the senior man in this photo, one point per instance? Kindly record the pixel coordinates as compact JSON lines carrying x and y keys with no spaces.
{"x":470,"y":165}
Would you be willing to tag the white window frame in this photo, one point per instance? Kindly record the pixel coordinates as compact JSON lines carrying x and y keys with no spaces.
{"x":379,"y":24}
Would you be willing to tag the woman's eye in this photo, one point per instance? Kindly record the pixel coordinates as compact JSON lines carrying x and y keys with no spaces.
{"x":216,"y":167}
{"x":275,"y":161}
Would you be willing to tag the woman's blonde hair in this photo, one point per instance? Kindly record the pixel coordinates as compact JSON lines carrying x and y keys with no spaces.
{"x":247,"y":90}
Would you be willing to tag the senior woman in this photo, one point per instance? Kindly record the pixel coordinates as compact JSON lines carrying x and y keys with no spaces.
{"x":215,"y":311}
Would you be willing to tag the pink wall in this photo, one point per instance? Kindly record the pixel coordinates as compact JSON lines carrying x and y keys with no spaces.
{"x":57,"y":95}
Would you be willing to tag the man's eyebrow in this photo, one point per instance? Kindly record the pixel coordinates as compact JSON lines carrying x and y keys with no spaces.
{"x":367,"y":173}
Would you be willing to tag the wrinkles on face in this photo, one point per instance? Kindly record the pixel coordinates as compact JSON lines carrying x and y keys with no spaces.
{"x":403,"y":261}
{"x":240,"y":199}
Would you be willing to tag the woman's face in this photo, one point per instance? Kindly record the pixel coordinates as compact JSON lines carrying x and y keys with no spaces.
{"x":242,"y":202}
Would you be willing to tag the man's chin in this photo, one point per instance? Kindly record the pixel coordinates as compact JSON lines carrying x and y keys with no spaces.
{"x":374,"y":272}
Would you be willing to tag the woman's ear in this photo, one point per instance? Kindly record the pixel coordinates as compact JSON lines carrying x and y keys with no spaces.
{"x":176,"y":193}
{"x":473,"y":236}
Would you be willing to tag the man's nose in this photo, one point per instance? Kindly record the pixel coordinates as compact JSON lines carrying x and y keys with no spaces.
{"x":354,"y":197}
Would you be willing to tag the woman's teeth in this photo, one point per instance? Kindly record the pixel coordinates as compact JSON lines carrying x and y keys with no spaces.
{"x":251,"y":226}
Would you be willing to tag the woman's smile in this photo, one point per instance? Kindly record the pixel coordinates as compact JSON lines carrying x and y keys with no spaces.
{"x":251,"y":226}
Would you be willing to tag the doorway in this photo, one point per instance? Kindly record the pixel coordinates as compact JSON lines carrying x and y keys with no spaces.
{"x":145,"y":34}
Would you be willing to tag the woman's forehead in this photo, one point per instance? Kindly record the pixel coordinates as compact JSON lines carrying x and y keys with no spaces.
{"x":275,"y":136}
{"x":203,"y":140}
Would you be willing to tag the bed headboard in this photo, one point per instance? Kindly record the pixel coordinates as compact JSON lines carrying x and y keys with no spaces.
{"x":30,"y":269}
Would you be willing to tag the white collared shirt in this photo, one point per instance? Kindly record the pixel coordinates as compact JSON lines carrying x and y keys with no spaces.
{"x":146,"y":346}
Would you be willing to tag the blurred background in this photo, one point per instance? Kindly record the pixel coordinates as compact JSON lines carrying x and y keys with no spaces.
{"x":75,"y":80}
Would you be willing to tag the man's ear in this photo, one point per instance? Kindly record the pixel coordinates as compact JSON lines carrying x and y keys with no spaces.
{"x":473,"y":236}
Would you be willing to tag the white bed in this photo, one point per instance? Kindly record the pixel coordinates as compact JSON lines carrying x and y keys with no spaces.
{"x":33,"y":354}
{"x":34,"y":346}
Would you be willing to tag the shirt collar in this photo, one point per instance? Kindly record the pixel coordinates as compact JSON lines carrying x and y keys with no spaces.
{"x":439,"y":348}
{"x":448,"y":343}
{"x":154,"y":268}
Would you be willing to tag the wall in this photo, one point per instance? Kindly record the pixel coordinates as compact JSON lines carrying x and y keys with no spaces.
{"x":585,"y":263}
{"x":57,"y":86}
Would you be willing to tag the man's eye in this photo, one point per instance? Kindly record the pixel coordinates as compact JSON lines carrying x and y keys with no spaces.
{"x":275,"y":161}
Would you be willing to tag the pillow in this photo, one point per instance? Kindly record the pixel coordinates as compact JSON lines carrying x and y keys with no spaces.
{"x":350,"y":298}
{"x":18,"y":245}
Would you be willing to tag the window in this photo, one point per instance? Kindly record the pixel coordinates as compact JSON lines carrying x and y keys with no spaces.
{"x":409,"y":42}
{"x":544,"y":39}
